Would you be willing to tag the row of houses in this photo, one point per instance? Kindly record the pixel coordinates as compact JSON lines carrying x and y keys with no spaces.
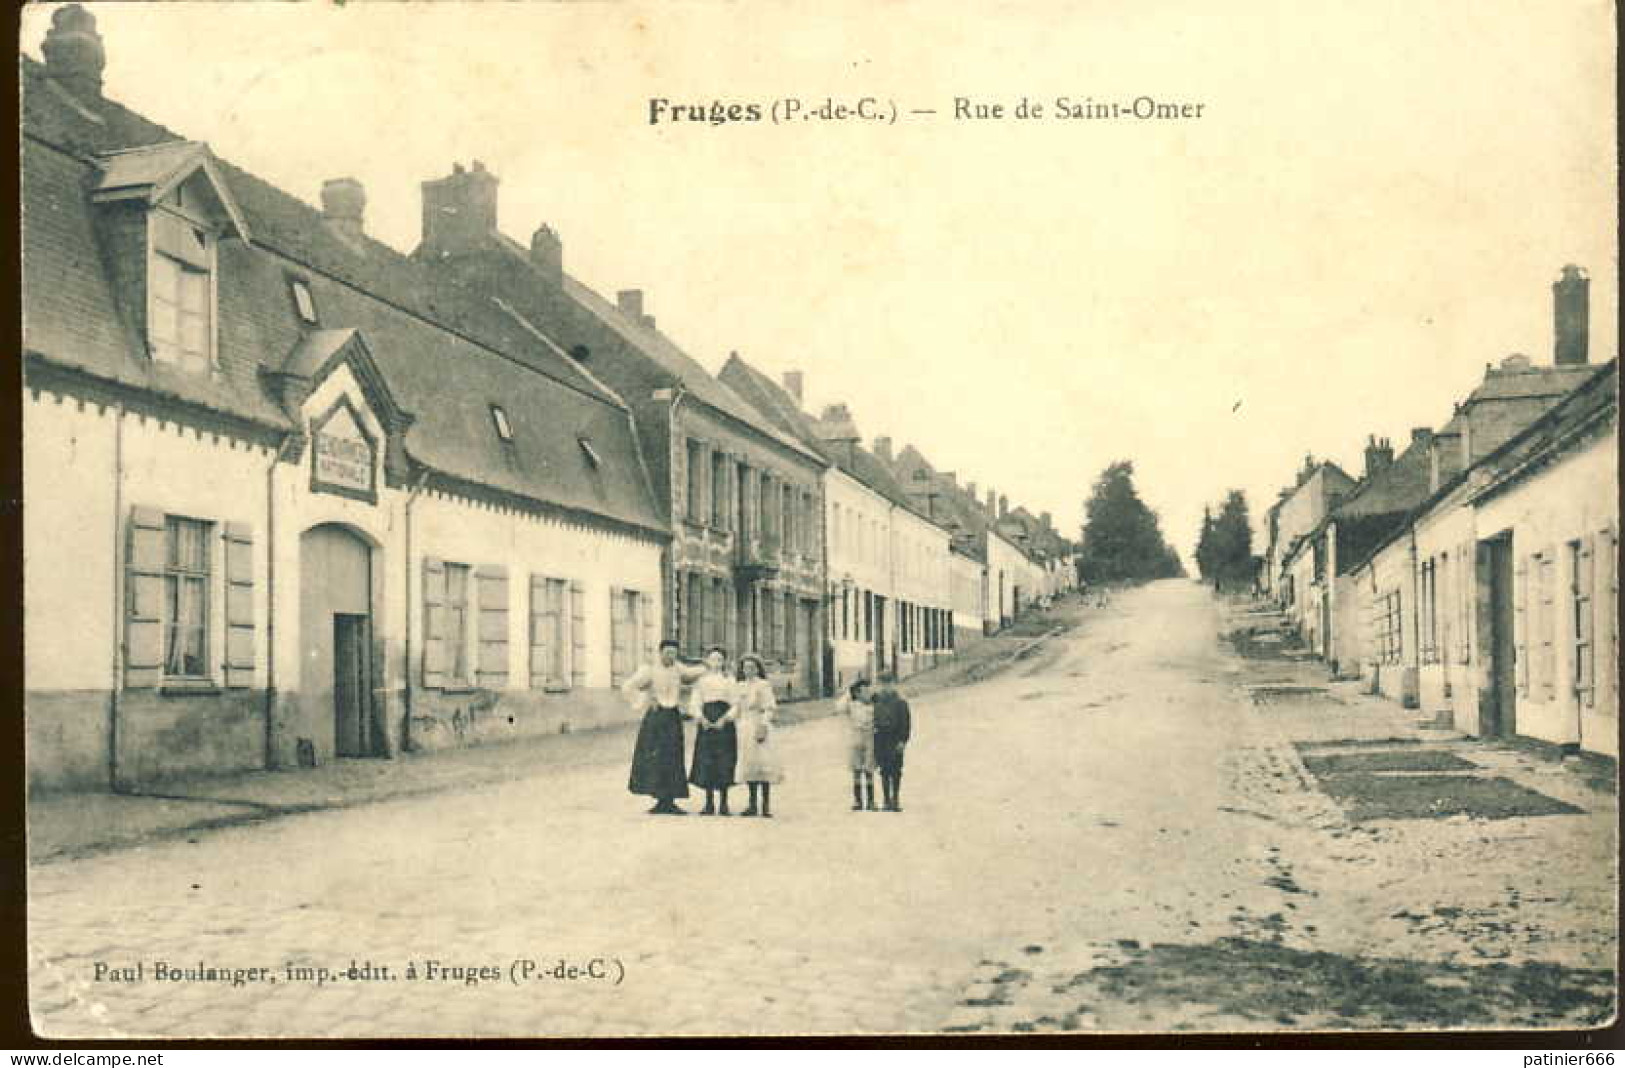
{"x":291,"y":495}
{"x":1474,"y":575}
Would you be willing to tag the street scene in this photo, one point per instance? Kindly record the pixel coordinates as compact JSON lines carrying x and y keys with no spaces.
{"x":1173,"y":856}
{"x":554,"y":520}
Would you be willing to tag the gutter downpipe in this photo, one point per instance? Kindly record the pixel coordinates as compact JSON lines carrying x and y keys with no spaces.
{"x":270,"y":599}
{"x":116,"y":690}
{"x":406,"y":689}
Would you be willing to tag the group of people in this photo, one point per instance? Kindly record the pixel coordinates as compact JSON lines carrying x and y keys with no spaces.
{"x":733,"y":735}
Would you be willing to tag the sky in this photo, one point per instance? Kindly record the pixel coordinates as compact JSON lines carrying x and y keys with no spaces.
{"x":1370,"y":208}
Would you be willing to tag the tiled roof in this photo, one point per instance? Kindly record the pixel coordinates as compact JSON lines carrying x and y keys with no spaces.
{"x":777,"y":405}
{"x":445,"y":353}
{"x":1595,"y":399}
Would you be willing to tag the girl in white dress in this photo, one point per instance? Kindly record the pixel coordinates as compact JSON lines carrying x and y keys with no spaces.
{"x":759,"y":765}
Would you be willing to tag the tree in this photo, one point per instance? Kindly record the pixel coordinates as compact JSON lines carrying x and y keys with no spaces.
{"x":1122,"y":540}
{"x":1224,"y":551}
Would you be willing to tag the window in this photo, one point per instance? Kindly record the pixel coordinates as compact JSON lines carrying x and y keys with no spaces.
{"x":504,"y":428}
{"x":457,"y":620}
{"x":303,"y":303}
{"x":787,"y":511}
{"x":549,"y":641}
{"x":626,"y":627}
{"x":719,"y":491}
{"x":693,"y":615}
{"x":1390,"y":638}
{"x":868,"y":616}
{"x":180,"y":296}
{"x":789,"y":626}
{"x":186,"y":599}
{"x":696,"y":482}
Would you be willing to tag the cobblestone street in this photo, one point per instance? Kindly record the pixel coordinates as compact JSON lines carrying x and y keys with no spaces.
{"x":1108,"y":835}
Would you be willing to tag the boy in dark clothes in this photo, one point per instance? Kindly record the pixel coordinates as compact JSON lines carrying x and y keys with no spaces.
{"x":892,"y":723}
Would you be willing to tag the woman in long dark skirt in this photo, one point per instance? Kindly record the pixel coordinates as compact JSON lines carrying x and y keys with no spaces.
{"x":657,"y":759}
{"x":714,"y":706}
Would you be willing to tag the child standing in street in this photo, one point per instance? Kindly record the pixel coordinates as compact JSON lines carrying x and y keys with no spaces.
{"x":860,"y":713}
{"x":759,"y":765}
{"x":713,"y":704}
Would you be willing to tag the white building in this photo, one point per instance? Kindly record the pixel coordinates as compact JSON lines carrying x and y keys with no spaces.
{"x":277,"y":510}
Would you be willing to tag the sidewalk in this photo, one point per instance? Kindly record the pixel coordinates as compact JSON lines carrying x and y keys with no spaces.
{"x":72,"y":825}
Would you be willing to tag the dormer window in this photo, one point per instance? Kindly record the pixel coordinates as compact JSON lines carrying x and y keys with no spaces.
{"x":504,"y":428}
{"x":174,"y":196}
{"x":303,"y":303}
{"x":180,"y":291}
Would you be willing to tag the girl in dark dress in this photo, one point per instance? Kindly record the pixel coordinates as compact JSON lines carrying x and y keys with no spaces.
{"x":714,"y":706}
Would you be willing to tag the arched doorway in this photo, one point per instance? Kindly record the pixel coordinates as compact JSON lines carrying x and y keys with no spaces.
{"x":338,"y":660}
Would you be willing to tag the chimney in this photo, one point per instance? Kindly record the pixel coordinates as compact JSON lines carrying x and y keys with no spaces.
{"x":1444,"y":459}
{"x":459,"y":211}
{"x":1046,"y":519}
{"x":883,"y":449}
{"x":1421,"y":436}
{"x":73,"y":53}
{"x":970,"y":490}
{"x":1378,"y":455}
{"x":547,"y":254}
{"x":1004,"y":506}
{"x":1571,"y":316}
{"x":792,"y":385}
{"x":836,"y":427}
{"x":630,"y":301}
{"x":992,"y":502}
{"x":344,"y":204}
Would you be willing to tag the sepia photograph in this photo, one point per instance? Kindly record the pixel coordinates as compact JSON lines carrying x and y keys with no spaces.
{"x":760,"y":520}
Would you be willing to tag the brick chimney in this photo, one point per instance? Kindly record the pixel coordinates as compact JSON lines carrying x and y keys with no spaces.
{"x":1421,"y":436}
{"x":1004,"y":506}
{"x":547,"y":254}
{"x":630,"y":301}
{"x":883,"y":449}
{"x":74,"y":57}
{"x":344,"y":205}
{"x":792,"y":385}
{"x":459,"y":211}
{"x":1571,"y":316}
{"x":1379,"y":453}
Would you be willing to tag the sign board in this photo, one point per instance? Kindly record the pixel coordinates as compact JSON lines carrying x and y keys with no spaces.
{"x":343,"y":454}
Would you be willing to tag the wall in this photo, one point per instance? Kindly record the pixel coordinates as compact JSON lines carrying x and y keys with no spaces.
{"x":1446,"y":678}
{"x":1391,"y":569}
{"x":75,"y":540}
{"x":856,"y":521}
{"x":969,"y":589}
{"x":1572,"y":499}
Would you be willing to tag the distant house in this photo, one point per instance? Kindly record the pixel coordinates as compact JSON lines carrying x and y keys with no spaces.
{"x":1298,"y":511}
{"x":290,"y":498}
{"x":888,"y":564}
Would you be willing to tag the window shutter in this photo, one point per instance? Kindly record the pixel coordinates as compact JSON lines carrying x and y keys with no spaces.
{"x":1466,"y":583}
{"x":144,"y":599}
{"x":1548,"y":623}
{"x":239,"y":539}
{"x":618,"y":635}
{"x":646,"y":616}
{"x":538,"y":643}
{"x":491,"y":668}
{"x":434,"y":623}
{"x":1520,"y":623}
{"x":578,"y":635}
{"x":1585,"y":590}
{"x":1606,"y":612}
